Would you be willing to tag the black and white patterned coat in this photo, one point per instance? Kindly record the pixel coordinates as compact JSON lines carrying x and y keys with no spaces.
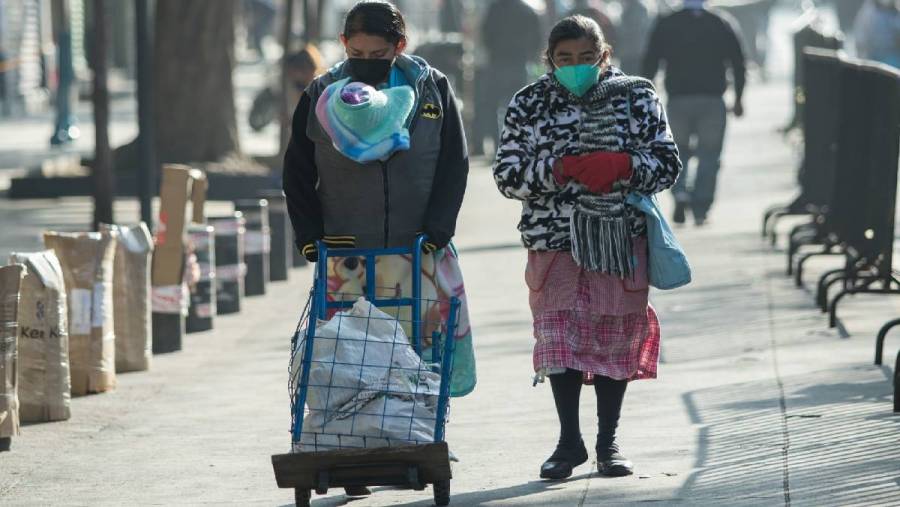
{"x":544,"y":123}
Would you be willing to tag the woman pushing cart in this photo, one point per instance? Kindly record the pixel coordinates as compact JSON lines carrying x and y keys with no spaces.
{"x":377,"y":157}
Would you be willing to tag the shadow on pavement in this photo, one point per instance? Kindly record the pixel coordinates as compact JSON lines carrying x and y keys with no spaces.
{"x":835,"y":444}
{"x":468,"y":498}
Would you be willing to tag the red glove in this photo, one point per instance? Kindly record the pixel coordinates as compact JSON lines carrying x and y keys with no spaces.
{"x":597,"y":171}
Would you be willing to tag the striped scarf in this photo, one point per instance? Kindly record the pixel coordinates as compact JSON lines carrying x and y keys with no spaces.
{"x":601,"y":239}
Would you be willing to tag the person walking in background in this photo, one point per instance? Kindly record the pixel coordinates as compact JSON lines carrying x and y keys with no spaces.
{"x":696,"y":45}
{"x":301,"y":68}
{"x":847,"y":11}
{"x":65,"y":127}
{"x":877,"y":32}
{"x":585,"y":129}
{"x":596,"y":10}
{"x":632,"y":34}
{"x":261,"y":20}
{"x":511,"y":36}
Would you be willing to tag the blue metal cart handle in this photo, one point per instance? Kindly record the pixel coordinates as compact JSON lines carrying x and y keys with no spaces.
{"x":322,"y":306}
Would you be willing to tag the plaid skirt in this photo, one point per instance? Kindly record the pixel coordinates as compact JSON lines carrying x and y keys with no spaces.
{"x":592,"y":322}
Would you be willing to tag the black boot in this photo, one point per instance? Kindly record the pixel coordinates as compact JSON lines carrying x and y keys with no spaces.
{"x":610,"y":395}
{"x":611,"y":463}
{"x":563,"y":460}
{"x":570,"y":451}
{"x":678,"y":216}
{"x":357,"y":491}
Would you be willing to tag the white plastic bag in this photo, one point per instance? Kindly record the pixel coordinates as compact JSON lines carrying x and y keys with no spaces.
{"x":367,"y":386}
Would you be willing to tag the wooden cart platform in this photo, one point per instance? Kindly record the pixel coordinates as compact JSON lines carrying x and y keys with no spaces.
{"x":411,"y":466}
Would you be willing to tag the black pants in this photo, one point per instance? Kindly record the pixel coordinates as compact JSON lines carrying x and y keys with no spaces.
{"x":566,"y":393}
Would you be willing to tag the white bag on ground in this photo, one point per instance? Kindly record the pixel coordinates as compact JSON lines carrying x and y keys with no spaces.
{"x":367,"y":386}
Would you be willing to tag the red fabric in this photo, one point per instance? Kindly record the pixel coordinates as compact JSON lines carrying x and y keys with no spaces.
{"x":599,"y":170}
{"x":561,"y":179}
{"x":592,"y":322}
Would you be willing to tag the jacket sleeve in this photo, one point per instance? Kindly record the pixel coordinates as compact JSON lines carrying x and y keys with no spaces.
{"x":654,"y":156}
{"x":452,"y":172}
{"x":735,"y":53}
{"x":300,"y":179}
{"x":522,"y":171}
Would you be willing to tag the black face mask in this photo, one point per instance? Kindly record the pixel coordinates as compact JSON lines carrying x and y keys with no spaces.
{"x":371,"y":71}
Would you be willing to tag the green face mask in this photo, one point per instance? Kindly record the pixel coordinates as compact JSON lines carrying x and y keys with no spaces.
{"x":578,"y":79}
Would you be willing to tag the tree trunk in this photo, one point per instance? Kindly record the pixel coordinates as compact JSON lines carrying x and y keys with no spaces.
{"x":286,"y":33}
{"x":321,"y":5}
{"x":193,"y":61}
{"x":104,"y":190}
{"x":307,"y":22}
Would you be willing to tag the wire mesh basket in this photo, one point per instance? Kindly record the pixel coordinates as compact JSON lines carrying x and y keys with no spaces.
{"x":373,"y":369}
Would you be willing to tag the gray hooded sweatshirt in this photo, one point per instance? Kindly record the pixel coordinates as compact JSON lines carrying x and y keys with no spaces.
{"x":384,"y":203}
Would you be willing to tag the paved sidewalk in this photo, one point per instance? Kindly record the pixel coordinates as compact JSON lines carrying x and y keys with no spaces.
{"x":757,"y":403}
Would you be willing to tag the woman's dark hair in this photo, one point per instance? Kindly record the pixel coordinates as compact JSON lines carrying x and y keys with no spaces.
{"x":376,"y":17}
{"x":572,"y":28}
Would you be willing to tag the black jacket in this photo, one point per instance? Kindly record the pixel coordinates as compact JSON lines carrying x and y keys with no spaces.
{"x":696,"y":45}
{"x":379,"y":204}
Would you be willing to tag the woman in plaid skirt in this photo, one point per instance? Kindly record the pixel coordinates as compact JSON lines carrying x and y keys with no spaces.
{"x":582,"y":129}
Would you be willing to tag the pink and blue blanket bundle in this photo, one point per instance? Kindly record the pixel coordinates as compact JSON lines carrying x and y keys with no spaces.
{"x":366,"y":124}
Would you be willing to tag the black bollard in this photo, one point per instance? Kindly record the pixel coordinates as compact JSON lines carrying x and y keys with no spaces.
{"x":168,"y":326}
{"x":203,"y":294}
{"x":256,"y":244}
{"x":230,"y":267}
{"x":280,"y":254}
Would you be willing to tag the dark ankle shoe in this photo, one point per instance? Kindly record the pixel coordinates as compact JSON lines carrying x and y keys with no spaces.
{"x":678,"y":215}
{"x":357,"y":491}
{"x":612,"y":464}
{"x":563,"y":461}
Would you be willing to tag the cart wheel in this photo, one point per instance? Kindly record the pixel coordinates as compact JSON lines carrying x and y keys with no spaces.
{"x":302,"y":497}
{"x":441,"y":493}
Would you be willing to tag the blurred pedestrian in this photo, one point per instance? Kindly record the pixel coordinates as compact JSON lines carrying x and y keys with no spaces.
{"x":301,"y":68}
{"x":696,"y":45}
{"x":596,"y":10}
{"x":847,"y":11}
{"x":377,"y":156}
{"x":632,"y":34}
{"x":4,"y":68}
{"x":581,"y":130}
{"x":452,"y":16}
{"x":65,"y":127}
{"x":511,"y":37}
{"x":877,"y":32}
{"x":261,"y":14}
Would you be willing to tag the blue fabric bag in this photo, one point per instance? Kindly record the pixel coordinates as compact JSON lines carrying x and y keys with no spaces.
{"x":669,"y":267}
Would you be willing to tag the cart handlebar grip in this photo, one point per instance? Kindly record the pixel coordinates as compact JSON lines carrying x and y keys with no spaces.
{"x":416,"y":250}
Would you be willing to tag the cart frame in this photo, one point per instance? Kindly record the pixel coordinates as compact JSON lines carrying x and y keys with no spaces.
{"x":412,"y":466}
